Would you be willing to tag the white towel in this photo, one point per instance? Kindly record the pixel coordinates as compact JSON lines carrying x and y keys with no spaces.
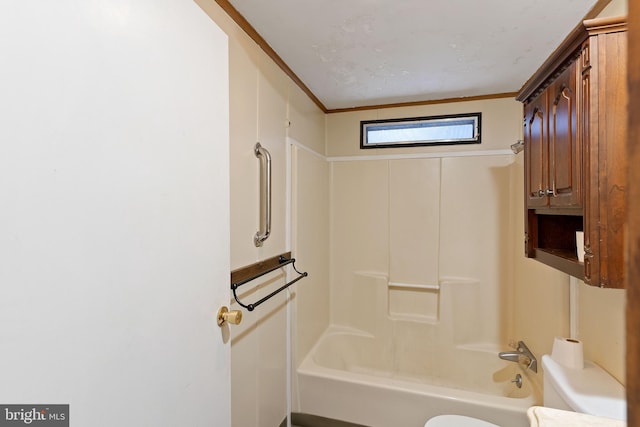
{"x":540,"y":416}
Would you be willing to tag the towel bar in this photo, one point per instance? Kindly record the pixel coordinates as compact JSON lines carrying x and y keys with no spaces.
{"x":246,"y":274}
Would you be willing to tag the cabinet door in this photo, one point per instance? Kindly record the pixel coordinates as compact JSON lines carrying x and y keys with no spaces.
{"x":536,"y":154}
{"x":564,"y":185}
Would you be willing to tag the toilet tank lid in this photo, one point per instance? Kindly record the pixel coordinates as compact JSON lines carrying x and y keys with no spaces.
{"x":590,"y":390}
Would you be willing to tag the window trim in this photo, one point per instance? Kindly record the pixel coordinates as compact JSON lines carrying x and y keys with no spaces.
{"x":477,"y":140}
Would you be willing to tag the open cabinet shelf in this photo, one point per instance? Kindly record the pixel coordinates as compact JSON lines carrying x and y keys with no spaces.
{"x":561,"y":259}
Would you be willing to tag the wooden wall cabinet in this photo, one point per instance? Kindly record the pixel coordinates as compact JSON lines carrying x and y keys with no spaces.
{"x":554,"y":163}
{"x":575,"y":164}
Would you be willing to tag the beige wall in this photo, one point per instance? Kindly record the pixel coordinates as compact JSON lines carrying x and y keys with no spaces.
{"x":615,"y":8}
{"x":500,"y":123}
{"x":601,"y":325}
{"x":266,"y":106}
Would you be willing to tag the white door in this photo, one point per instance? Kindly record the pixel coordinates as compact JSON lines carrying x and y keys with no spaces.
{"x":114,"y":211}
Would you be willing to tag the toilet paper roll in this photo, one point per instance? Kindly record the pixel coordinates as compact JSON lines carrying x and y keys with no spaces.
{"x":568,"y":352}
{"x":580,"y":245}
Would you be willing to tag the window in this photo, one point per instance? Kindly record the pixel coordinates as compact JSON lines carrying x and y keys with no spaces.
{"x":418,"y":131}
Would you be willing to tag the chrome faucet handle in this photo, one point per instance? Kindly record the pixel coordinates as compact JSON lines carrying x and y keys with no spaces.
{"x":532,"y":362}
{"x":525,"y":360}
{"x":522,"y":355}
{"x":517,"y":380}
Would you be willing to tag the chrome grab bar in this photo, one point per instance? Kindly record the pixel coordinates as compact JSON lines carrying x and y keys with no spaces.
{"x":265,"y":195}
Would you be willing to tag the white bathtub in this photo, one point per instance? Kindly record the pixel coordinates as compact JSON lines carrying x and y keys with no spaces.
{"x":355,"y":377}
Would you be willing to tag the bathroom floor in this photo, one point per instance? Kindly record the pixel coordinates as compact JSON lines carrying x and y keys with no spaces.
{"x":306,"y":420}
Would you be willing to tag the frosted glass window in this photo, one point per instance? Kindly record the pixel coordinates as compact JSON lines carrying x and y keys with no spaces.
{"x":435,"y":130}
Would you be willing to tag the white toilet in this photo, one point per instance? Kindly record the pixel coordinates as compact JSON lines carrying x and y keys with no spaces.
{"x":589,"y":391}
{"x":457,"y":421}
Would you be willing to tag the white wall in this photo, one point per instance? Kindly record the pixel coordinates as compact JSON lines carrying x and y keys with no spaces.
{"x":114,"y":226}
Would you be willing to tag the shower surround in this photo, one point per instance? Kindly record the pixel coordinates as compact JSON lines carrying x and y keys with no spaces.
{"x":420,"y":254}
{"x":413,"y":224}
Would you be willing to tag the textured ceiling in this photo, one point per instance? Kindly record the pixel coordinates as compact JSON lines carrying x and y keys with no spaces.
{"x":353,"y":53}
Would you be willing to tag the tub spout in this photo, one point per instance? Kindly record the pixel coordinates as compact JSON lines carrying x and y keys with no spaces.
{"x":511,"y":356}
{"x":521,"y":355}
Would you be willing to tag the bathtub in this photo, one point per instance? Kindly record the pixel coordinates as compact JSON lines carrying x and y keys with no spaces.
{"x":352,"y":376}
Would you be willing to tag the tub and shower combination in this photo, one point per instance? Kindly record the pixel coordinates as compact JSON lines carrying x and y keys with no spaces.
{"x":403,"y":371}
{"x":419,"y":295}
{"x":344,"y":378}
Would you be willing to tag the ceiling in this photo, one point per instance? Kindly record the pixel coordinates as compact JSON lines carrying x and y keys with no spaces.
{"x":355,"y":53}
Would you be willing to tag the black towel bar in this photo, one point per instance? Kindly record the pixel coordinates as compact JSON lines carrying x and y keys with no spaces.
{"x":247,"y":274}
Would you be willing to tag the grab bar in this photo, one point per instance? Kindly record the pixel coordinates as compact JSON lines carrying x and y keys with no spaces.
{"x":247,"y":274}
{"x":265,"y":195}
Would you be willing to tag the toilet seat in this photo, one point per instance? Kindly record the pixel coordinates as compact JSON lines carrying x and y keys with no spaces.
{"x":457,"y":421}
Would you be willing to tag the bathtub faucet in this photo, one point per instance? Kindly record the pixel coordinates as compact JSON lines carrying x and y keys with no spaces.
{"x":521,"y":355}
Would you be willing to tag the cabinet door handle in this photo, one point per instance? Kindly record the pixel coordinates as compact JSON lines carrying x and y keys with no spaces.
{"x":551,"y":193}
{"x":541,"y":193}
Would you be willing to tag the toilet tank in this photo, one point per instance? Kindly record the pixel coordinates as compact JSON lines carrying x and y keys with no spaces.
{"x":589,"y":391}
